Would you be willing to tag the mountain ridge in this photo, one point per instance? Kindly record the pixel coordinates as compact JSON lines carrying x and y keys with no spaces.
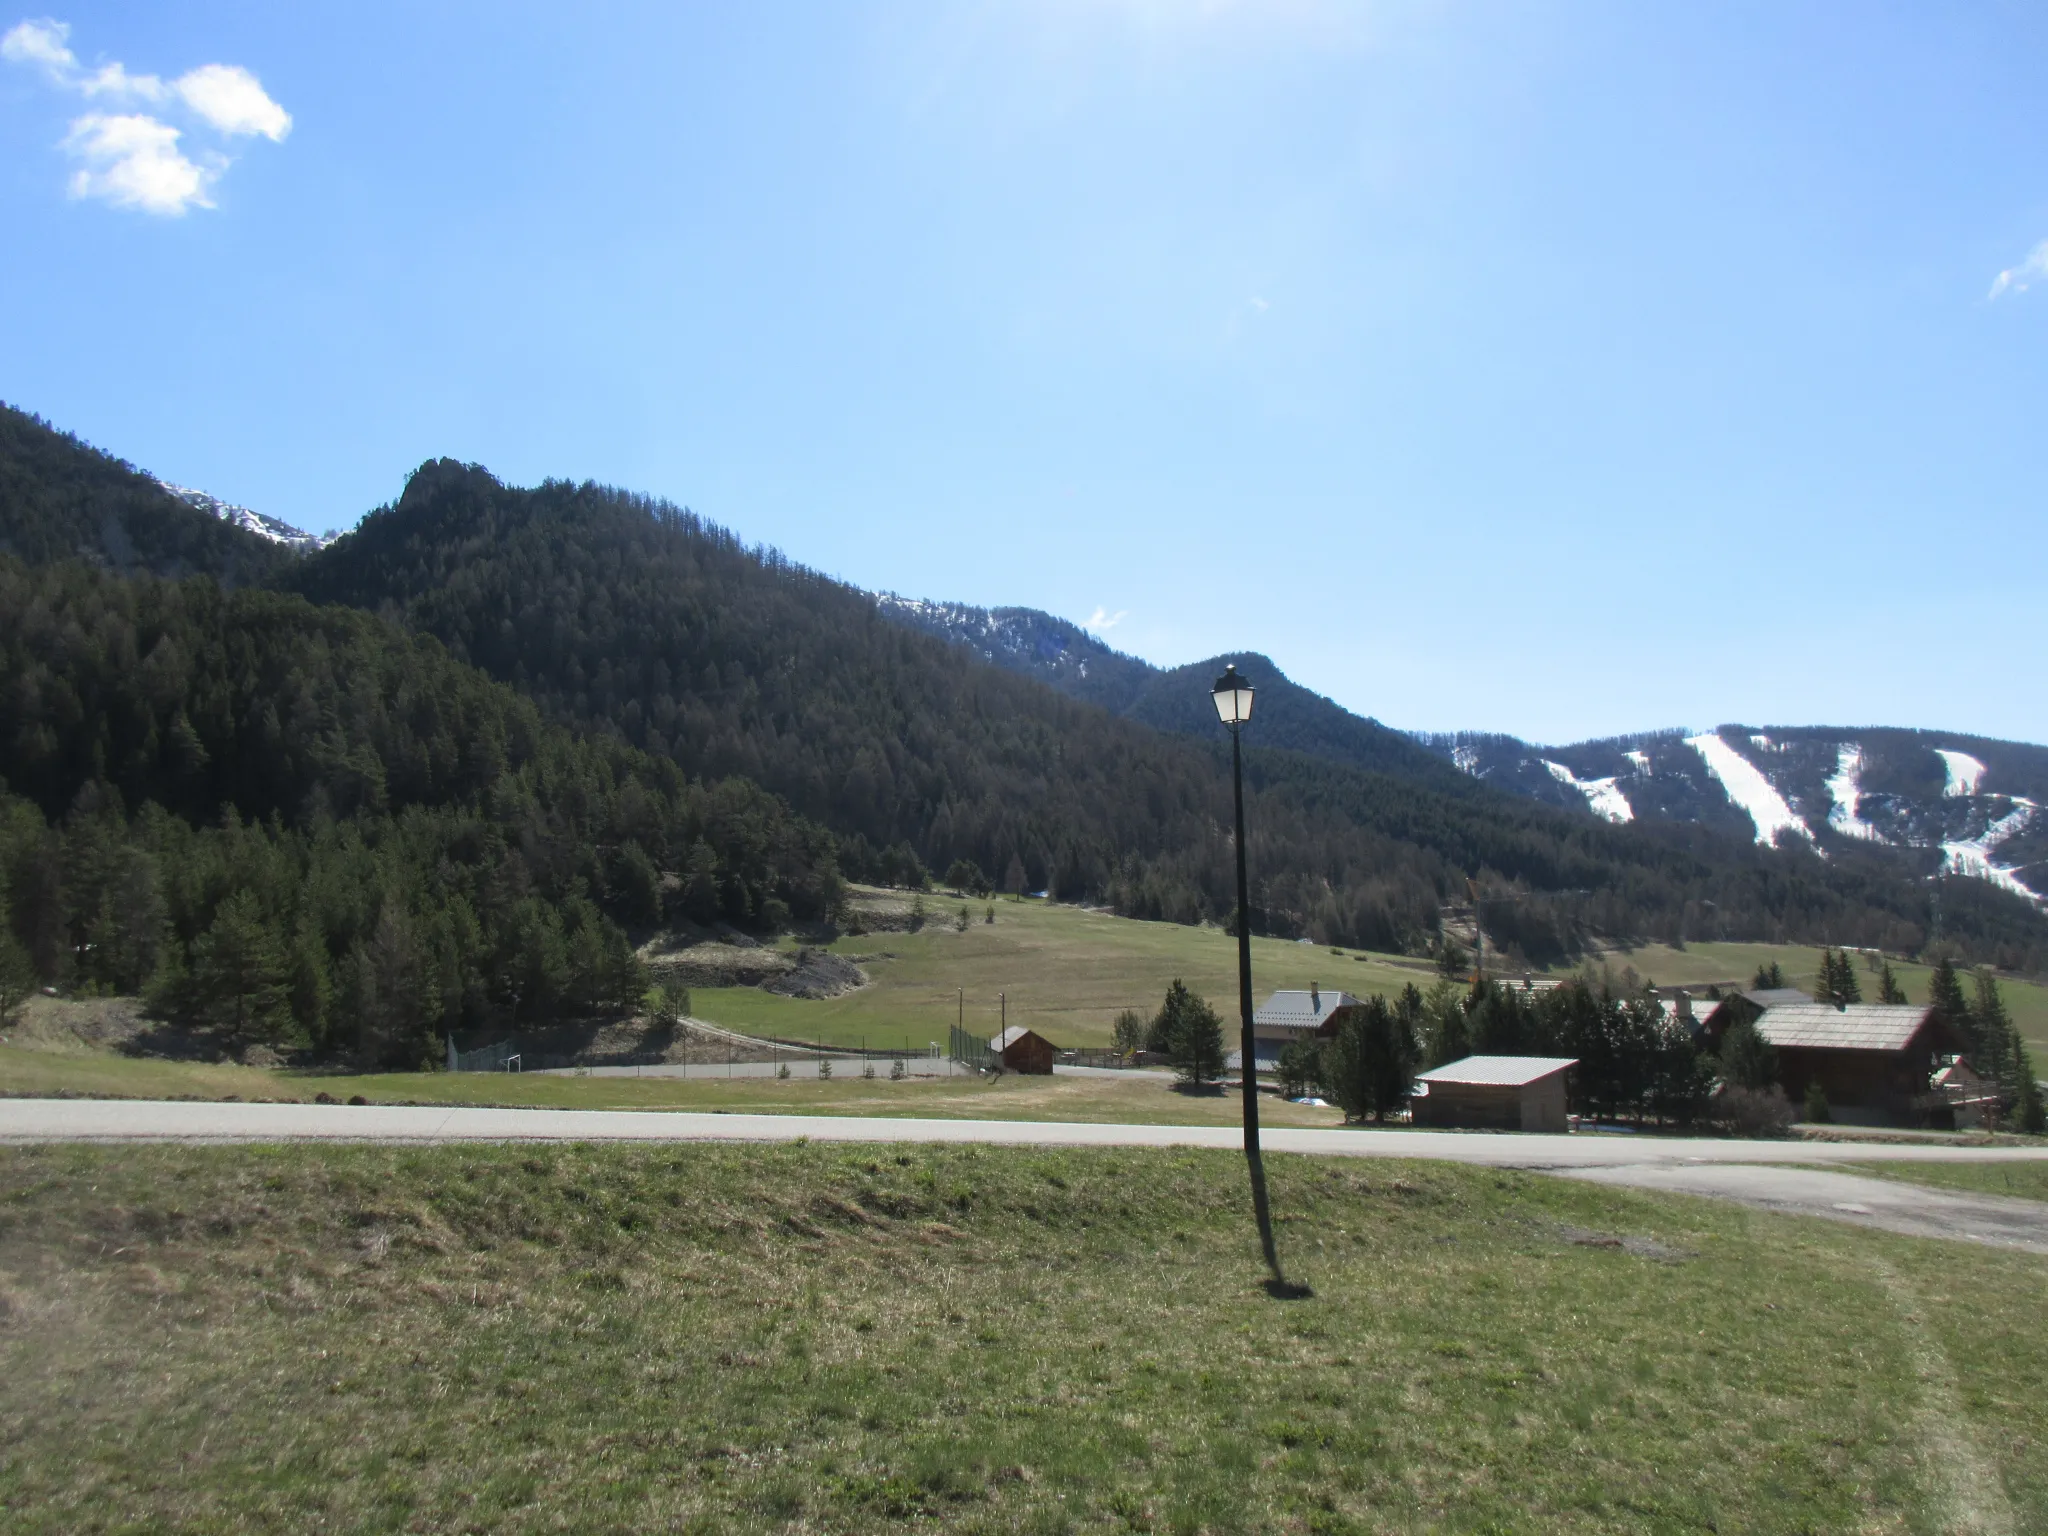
{"x":1994,"y":833}
{"x":624,"y":617}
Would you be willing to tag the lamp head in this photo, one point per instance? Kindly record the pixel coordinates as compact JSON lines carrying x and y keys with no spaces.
{"x":1233,"y":697}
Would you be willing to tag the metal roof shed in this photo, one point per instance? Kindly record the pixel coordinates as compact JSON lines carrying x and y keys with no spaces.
{"x":1499,"y":1093}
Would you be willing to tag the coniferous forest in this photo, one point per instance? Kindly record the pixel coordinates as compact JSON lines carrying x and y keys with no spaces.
{"x":439,"y":775}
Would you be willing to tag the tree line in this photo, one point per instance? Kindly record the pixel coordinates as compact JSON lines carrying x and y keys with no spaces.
{"x":302,"y":826}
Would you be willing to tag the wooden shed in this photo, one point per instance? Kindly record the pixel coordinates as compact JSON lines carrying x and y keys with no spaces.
{"x":1495,"y":1093}
{"x":1022,"y":1050}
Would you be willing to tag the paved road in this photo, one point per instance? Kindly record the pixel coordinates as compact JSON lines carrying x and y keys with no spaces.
{"x":1736,"y":1170}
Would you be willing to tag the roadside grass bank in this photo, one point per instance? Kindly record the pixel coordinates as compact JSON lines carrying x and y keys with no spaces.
{"x":2027,"y":1181}
{"x":841,"y":1339}
{"x":1130,"y":1101}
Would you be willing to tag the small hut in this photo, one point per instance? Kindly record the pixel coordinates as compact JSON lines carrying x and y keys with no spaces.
{"x":1495,"y":1093}
{"x":1023,"y":1050}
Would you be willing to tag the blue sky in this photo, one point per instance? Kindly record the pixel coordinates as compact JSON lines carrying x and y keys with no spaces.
{"x":1561,"y":369}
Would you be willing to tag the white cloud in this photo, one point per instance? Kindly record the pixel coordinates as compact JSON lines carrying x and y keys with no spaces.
{"x":2022,"y":277}
{"x":133,"y":161}
{"x":1103,"y":620}
{"x":232,"y":99}
{"x":114,"y":80}
{"x":40,"y":42}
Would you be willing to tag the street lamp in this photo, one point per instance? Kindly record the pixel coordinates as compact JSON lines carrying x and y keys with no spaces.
{"x":1233,"y":697}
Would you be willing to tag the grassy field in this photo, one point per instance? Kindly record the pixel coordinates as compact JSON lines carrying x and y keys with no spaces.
{"x":1067,"y":972}
{"x":828,"y":1339}
{"x":1126,"y":1101}
{"x":2029,"y":1181}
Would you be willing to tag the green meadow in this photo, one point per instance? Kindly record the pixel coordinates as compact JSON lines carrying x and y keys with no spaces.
{"x":826,"y":1339}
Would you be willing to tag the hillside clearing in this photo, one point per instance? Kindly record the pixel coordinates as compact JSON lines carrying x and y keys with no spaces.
{"x":1068,"y":971}
{"x":837,"y":1339}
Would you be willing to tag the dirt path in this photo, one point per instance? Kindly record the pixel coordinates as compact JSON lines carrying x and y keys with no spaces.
{"x":2001,"y":1221}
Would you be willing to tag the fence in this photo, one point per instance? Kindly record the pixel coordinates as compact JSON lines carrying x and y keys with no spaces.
{"x":502,"y":1057}
{"x":973,"y":1051}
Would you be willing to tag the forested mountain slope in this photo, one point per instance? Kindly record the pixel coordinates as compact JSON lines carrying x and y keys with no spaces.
{"x":624,"y":616}
{"x":304,"y":826}
{"x":62,"y":499}
{"x":1943,"y":799}
{"x":1052,"y":650}
{"x":637,"y":622}
{"x":1913,"y":791}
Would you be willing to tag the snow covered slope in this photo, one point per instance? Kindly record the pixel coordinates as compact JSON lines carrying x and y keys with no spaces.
{"x":1965,"y":804}
{"x":254,"y":522}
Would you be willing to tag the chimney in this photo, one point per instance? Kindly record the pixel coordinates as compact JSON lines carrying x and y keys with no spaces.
{"x":1315,"y":998}
{"x":1682,"y":1006}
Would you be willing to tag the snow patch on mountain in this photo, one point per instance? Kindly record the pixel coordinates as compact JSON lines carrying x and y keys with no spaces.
{"x":1466,"y":758}
{"x":1965,"y":772}
{"x":1846,"y":788}
{"x":249,"y":520}
{"x":1640,"y":758}
{"x":1748,"y":788}
{"x":1602,"y":797}
{"x":1977,"y":857}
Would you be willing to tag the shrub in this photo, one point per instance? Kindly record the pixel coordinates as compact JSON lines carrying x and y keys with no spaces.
{"x":897,"y":1071}
{"x":1753,"y":1111}
{"x":1817,"y":1110}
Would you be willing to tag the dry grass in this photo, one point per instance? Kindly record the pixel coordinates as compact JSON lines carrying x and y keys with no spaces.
{"x":832,"y":1339}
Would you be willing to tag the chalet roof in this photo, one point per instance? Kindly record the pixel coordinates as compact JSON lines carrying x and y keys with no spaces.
{"x":1855,"y":1027}
{"x":1008,"y":1038}
{"x":1498,"y":1071}
{"x":1298,"y":1010}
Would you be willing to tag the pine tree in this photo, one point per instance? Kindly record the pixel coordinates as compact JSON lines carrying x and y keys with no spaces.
{"x":1997,"y":1041}
{"x":1369,"y":1064}
{"x":239,"y":971}
{"x":1748,"y":1060}
{"x":1847,"y":988}
{"x":1947,"y":1003}
{"x":1888,"y":988}
{"x":1769,"y":977}
{"x":1188,"y":1033}
{"x":2029,"y":1112}
{"x":17,"y":977}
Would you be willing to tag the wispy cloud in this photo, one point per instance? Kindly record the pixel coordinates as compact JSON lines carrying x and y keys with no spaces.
{"x":1103,"y":621}
{"x":2022,"y":277}
{"x":133,"y":159}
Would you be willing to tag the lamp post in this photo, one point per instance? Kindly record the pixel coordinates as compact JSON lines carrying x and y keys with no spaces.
{"x":1233,"y":696}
